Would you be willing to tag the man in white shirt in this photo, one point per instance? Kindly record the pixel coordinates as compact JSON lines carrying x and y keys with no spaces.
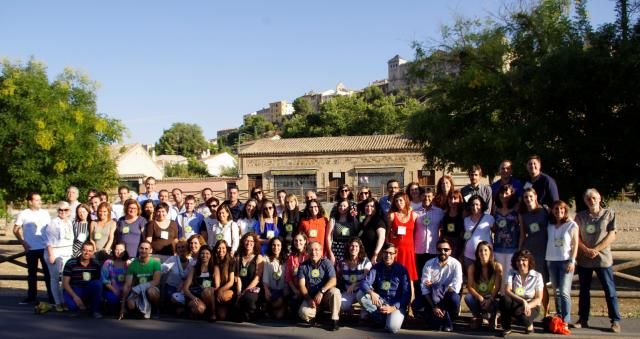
{"x":202,"y":208}
{"x":72,"y":198}
{"x":28,"y":230}
{"x":150,"y":193}
{"x":118,"y":207}
{"x":178,"y":206}
{"x":440,"y":286}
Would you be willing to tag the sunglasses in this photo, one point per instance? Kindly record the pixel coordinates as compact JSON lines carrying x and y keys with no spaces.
{"x":213,"y":206}
{"x":364,"y":193}
{"x":63,"y":210}
{"x":445,"y":250}
{"x":344,"y":190}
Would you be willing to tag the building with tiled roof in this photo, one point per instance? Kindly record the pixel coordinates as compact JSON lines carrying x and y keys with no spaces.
{"x":324,"y":163}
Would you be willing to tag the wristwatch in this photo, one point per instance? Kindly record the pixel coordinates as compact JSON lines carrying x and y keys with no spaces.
{"x":323,"y":291}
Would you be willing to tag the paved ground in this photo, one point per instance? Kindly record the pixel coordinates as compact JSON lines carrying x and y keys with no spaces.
{"x":17,"y":321}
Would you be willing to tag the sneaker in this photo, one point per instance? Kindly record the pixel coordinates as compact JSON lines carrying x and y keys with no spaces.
{"x":447,"y":329}
{"x":97,"y":315}
{"x":59,"y":308}
{"x":505,"y":333}
{"x":27,"y":301}
{"x":580,"y":324}
{"x":615,"y":327}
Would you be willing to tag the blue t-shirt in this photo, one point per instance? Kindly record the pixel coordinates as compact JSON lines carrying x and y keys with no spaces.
{"x":316,"y":275}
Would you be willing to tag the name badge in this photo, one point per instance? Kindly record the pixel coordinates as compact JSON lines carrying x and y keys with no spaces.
{"x":451,"y":227}
{"x":559,"y":242}
{"x":288,"y":228}
{"x":86,"y":276}
{"x":120,"y":277}
{"x":353,"y":278}
{"x":97,"y":236}
{"x":386,"y":285}
{"x":164,"y":235}
{"x":243,"y":272}
{"x":534,"y":227}
{"x":426,"y":221}
{"x":527,"y":185}
{"x":270,"y":234}
{"x":276,"y":275}
{"x":482,"y":287}
{"x":313,"y":233}
{"x":467,"y":235}
{"x":315,"y":273}
{"x":402,"y":230}
{"x":206,"y":283}
{"x":68,"y":236}
{"x":520,"y":291}
{"x":219,"y":236}
{"x":142,"y":280}
{"x":361,"y":218}
{"x":188,"y":229}
{"x":204,"y":275}
{"x":346,"y":232}
{"x":467,"y":197}
{"x":502,"y":223}
{"x":591,"y":228}
{"x":82,"y":237}
{"x":125,"y":230}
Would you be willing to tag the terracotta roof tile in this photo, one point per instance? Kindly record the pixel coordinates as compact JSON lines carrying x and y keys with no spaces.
{"x":321,"y":145}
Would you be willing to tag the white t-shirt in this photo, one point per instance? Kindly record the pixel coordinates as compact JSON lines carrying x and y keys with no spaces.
{"x":32,"y":223}
{"x":228,"y":233}
{"x":117,"y":210}
{"x":481,"y":233}
{"x":559,"y":241}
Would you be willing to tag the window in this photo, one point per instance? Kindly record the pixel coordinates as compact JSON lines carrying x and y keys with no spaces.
{"x":294,"y":182}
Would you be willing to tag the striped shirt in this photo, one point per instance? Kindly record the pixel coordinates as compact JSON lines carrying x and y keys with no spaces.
{"x":355,"y":275}
{"x":81,"y":275}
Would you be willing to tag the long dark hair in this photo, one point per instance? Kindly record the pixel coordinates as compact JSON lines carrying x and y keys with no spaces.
{"x":477,"y":265}
{"x":125,"y":254}
{"x":225,"y":265}
{"x":335,"y":214}
{"x":361,"y":253}
{"x":294,"y":250}
{"x":197,"y":269}
{"x":307,"y":209}
{"x":242,"y":251}
{"x":282,"y":258}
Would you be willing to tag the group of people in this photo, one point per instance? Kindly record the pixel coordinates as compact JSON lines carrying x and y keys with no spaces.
{"x":410,"y":251}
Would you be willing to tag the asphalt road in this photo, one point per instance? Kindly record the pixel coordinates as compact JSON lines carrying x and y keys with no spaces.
{"x":18,"y":321}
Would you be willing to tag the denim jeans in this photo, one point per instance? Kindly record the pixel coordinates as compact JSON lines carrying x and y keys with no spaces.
{"x":393,"y":321}
{"x":91,"y":296}
{"x":450,"y":305}
{"x":605,"y":275}
{"x":475,"y":308}
{"x":561,"y":281}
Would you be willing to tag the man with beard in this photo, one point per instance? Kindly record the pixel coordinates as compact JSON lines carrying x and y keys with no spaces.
{"x":440,"y":284}
{"x":388,"y":290}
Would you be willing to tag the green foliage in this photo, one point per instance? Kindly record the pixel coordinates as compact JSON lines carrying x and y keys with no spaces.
{"x":540,"y":83}
{"x":302,"y":106}
{"x":255,"y":126}
{"x":370,"y":112}
{"x":50,"y":133}
{"x":231,"y":171}
{"x":193,"y":169}
{"x":182,"y":139}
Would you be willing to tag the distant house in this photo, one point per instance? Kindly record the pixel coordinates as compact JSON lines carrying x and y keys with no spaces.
{"x":134,"y":164}
{"x":215,"y":163}
{"x":166,"y":159}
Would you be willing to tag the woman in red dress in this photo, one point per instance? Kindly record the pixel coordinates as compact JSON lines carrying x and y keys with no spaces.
{"x":402,"y":222}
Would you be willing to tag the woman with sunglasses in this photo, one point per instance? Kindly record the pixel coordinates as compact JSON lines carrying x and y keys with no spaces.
{"x":344,"y":193}
{"x":258,"y":195}
{"x":270,"y":225}
{"x":58,"y":239}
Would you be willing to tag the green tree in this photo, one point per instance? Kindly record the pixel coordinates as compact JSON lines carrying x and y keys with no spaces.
{"x":192,"y":169}
{"x":540,"y":83}
{"x":182,"y":139}
{"x":257,"y":126}
{"x":51,"y":134}
{"x":302,"y":106}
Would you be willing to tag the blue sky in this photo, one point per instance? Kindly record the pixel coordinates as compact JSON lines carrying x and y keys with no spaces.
{"x":207,"y":62}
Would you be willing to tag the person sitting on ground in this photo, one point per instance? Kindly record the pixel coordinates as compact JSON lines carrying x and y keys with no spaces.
{"x":141,"y":289}
{"x":176,"y":269}
{"x":523,"y":293}
{"x":81,"y":282}
{"x":441,"y":283}
{"x":317,"y":281}
{"x":388,"y":291}
{"x":352,"y":270}
{"x":114,"y":271}
{"x":249,"y":266}
{"x":198,"y":287}
{"x":224,"y":278}
{"x":276,"y":290}
{"x":484,"y":279}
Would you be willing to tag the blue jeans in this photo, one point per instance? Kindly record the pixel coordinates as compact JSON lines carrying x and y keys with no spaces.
{"x":605,"y":275}
{"x":91,"y":296}
{"x":561,"y":281}
{"x":450,"y":305}
{"x":393,"y":321}
{"x":475,"y":308}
